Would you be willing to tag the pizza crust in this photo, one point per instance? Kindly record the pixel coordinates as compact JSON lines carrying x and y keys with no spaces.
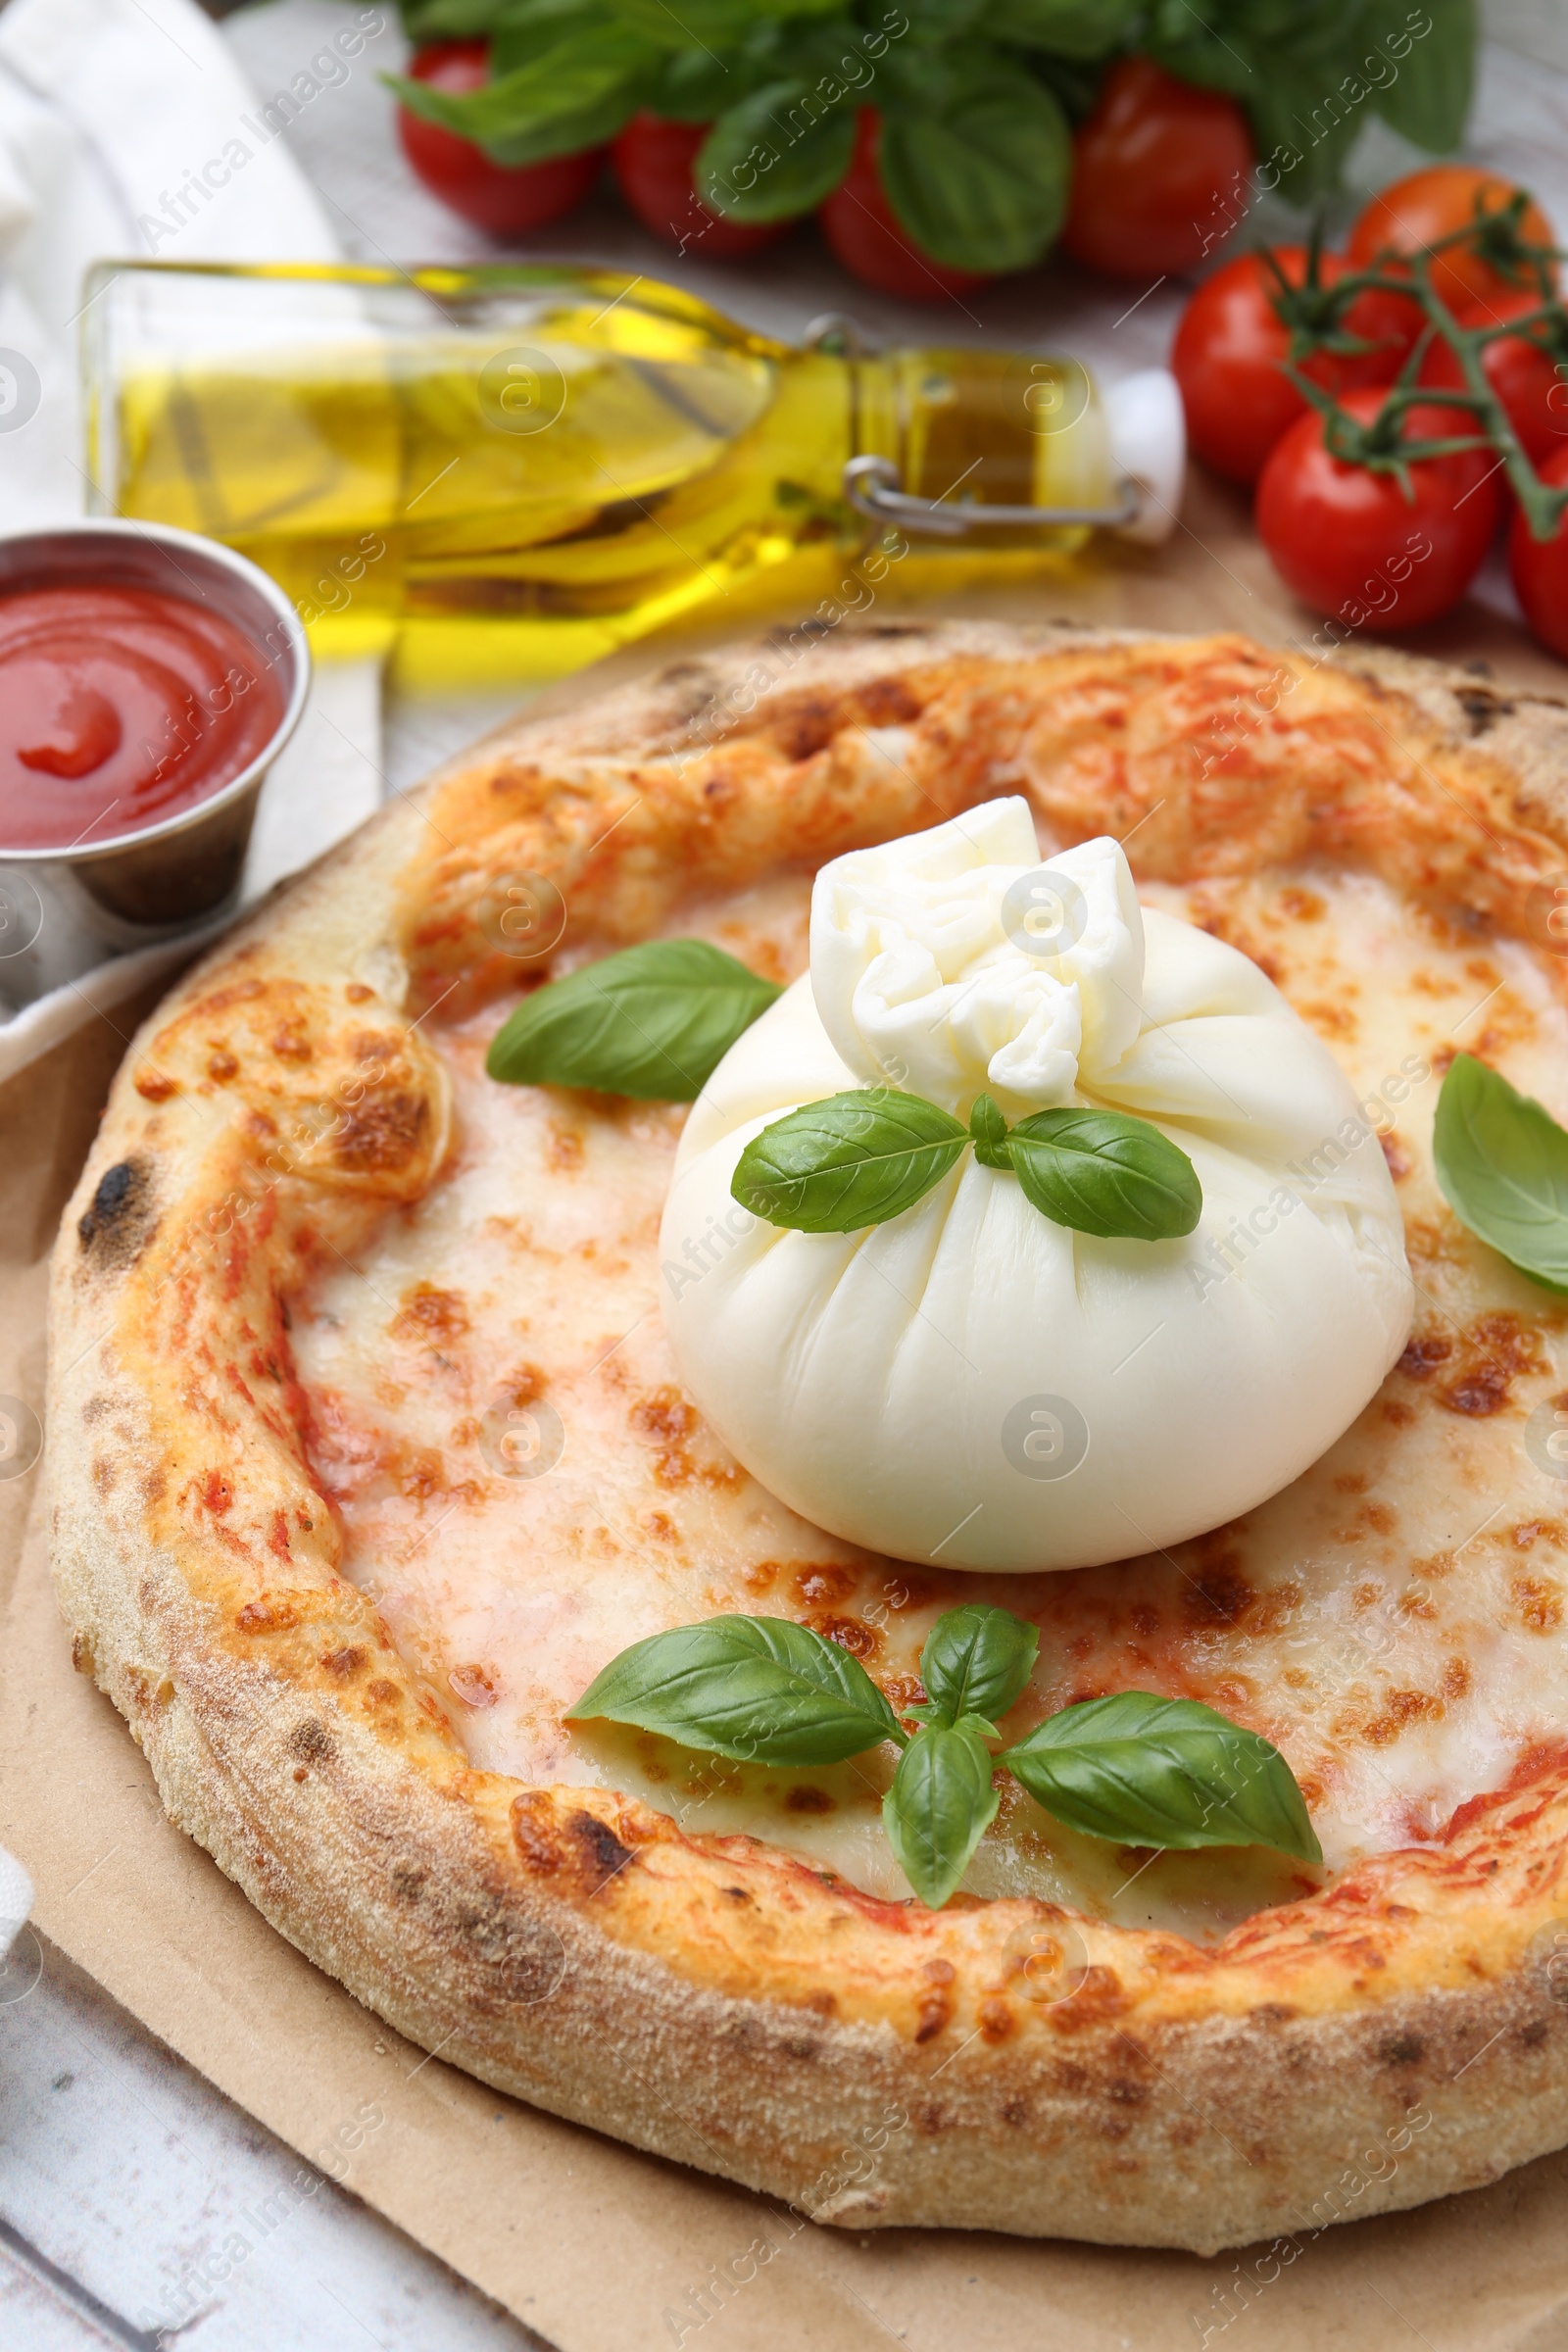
{"x":1398,"y":2037}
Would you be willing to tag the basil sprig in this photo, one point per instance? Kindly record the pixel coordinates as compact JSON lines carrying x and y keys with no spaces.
{"x":977,"y":1661}
{"x":1163,"y":1771}
{"x":760,"y":1690}
{"x":1135,"y":1768}
{"x":1502,"y":1163}
{"x":655,"y":1022}
{"x":1105,"y":1173}
{"x":856,"y":1159}
{"x":940,"y":1806}
{"x":853,"y":1160}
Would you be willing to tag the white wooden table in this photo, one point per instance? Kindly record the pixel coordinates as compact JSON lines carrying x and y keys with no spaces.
{"x":137,"y":2205}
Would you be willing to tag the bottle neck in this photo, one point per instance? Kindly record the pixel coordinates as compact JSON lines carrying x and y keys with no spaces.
{"x":1000,"y":428}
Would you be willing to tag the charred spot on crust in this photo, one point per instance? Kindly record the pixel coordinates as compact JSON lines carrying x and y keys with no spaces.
{"x":1484,"y":709}
{"x":888,"y":703}
{"x":1405,"y":2049}
{"x":311,"y":1742}
{"x":602,"y":1850}
{"x":808,"y":729}
{"x":117,"y":1226}
{"x":268,"y":1616}
{"x":533,"y":1831}
{"x":935,"y":2011}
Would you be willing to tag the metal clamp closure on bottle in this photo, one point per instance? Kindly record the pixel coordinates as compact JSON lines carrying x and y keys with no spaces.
{"x":874,"y":486}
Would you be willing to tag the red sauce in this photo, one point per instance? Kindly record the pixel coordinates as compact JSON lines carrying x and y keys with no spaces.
{"x":118,"y":707}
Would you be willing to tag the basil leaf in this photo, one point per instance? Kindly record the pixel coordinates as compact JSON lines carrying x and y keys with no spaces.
{"x":761,"y":1690}
{"x":1163,"y":1771}
{"x":1429,"y":97}
{"x":1309,"y":73}
{"x":710,"y":24}
{"x":988,"y":1130}
{"x":527,"y":30}
{"x":1101,"y":1172}
{"x":976,"y":165}
{"x":939,"y":1806}
{"x":777,"y":154}
{"x":1066,"y":28}
{"x":449,"y":20}
{"x":1503,"y":1165}
{"x":976,"y":1661}
{"x":853,"y":1160}
{"x":696,"y":84}
{"x":941,"y":19}
{"x":579,"y":91}
{"x":655,"y":1022}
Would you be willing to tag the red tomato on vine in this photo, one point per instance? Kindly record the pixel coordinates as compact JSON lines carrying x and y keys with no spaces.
{"x":1528,"y":380}
{"x":1348,"y":540}
{"x":1232,"y":344}
{"x":1411,"y":216}
{"x":1539,"y":567}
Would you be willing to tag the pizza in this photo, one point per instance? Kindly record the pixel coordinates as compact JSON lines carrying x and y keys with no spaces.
{"x":367,"y":1452}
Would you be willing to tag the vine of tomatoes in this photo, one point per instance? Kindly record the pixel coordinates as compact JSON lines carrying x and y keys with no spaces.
{"x":1392,"y":403}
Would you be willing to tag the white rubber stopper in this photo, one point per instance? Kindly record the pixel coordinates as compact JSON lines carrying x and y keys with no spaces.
{"x":1148,"y":433}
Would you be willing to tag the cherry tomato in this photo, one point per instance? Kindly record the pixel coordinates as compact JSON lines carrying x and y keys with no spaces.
{"x":653,"y":159}
{"x":1346,"y":538}
{"x":503,"y":199}
{"x":1531,"y":385}
{"x":1539,"y":567}
{"x":1412,"y":215}
{"x":860,"y":226}
{"x":1159,"y":174}
{"x":1232,"y":344}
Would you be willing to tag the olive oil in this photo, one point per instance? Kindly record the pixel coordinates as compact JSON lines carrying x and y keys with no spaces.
{"x":501,"y":473}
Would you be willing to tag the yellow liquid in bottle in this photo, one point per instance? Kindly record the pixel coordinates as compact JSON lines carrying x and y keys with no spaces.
{"x":499,"y":482}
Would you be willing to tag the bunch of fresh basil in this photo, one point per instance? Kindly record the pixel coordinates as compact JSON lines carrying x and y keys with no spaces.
{"x":977,"y":96}
{"x":1132,"y":1768}
{"x":1308,"y":73}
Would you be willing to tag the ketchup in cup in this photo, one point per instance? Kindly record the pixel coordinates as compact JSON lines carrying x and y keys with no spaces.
{"x":121,"y":708}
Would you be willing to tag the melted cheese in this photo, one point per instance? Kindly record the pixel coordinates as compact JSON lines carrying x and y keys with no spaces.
{"x":1392,"y":1620}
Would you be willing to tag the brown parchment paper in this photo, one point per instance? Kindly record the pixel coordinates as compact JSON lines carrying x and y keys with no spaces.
{"x":595,"y":2246}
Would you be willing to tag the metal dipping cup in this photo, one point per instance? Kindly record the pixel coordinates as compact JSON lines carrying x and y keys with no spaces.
{"x":63,"y":911}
